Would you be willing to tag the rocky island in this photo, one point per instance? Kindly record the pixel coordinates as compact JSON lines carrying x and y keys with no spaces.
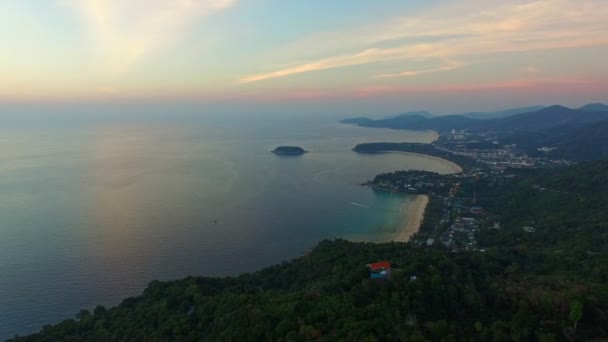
{"x":289,"y":150}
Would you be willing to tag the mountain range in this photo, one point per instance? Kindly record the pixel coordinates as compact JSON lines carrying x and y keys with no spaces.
{"x":480,"y":115}
{"x":577,"y":134}
{"x":514,"y":119}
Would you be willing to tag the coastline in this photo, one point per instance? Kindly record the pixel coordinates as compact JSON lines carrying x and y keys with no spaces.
{"x":415,"y":214}
{"x":434,"y":136}
{"x":454,"y":168}
{"x":414,"y":210}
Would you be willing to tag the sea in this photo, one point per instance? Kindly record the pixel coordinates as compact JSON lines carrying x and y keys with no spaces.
{"x":94,"y":208}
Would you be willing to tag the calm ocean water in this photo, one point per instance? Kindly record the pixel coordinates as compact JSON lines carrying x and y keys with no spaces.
{"x":92,"y":212}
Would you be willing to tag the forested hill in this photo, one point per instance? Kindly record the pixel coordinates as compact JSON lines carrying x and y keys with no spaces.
{"x":534,"y":121}
{"x":573,"y":134}
{"x":547,"y":285}
{"x":567,"y":207}
{"x":579,"y":143}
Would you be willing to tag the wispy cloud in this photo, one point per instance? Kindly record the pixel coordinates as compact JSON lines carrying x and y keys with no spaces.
{"x":122,"y":32}
{"x":447,"y":65}
{"x":363,"y":57}
{"x":458,"y":31}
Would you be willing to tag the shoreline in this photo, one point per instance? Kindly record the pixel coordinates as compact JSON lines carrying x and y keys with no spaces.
{"x":434,"y":135}
{"x":455,"y":168}
{"x":415,"y":215}
{"x":416,"y":209}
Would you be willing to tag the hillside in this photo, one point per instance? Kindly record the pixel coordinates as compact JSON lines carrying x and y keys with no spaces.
{"x":472,"y":115}
{"x":546,"y":119}
{"x":548,"y":285}
{"x":569,"y":208}
{"x":416,"y":113}
{"x":595,"y":107}
{"x":501,"y":113}
{"x":589,"y":142}
{"x":417,"y":122}
{"x":573,"y":134}
{"x":572,"y":142}
{"x":535,"y":121}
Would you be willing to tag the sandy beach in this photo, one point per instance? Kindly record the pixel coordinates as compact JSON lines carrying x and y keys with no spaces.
{"x":414,"y":210}
{"x":453,"y":167}
{"x":415,"y":213}
{"x":434,"y":136}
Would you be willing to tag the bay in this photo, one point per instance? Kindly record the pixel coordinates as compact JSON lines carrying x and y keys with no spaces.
{"x":90,"y":212}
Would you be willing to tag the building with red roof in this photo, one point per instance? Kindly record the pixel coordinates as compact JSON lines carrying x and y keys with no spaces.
{"x":380,"y":270}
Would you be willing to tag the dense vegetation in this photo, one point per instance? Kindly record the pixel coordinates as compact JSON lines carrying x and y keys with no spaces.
{"x":534,"y":121}
{"x":473,"y":115}
{"x":572,"y":134}
{"x":578,"y":142}
{"x":291,"y":150}
{"x":568,"y":208}
{"x":417,"y":122}
{"x":547,"y":285}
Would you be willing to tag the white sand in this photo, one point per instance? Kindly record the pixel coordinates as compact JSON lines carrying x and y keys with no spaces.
{"x":451,"y":166}
{"x":415,"y":214}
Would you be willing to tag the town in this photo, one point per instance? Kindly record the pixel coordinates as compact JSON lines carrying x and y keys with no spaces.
{"x":496,"y":152}
{"x":456,"y":215}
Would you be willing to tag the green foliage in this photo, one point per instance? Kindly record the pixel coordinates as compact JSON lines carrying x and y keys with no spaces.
{"x":291,"y":150}
{"x":548,"y":285}
{"x":327,"y":296}
{"x":574,"y":134}
{"x":576,"y":312}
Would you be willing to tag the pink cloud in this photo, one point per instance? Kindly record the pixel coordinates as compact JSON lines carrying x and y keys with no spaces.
{"x":539,"y":87}
{"x":456,"y":31}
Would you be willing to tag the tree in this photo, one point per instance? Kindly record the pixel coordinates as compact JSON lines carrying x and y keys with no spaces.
{"x":100,"y":310}
{"x":576,"y":312}
{"x":479,"y":327}
{"x":82,"y":314}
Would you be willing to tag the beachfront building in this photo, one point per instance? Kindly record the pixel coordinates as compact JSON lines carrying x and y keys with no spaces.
{"x":380,"y":270}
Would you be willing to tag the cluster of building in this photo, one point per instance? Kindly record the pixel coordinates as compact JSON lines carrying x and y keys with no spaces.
{"x":486,"y":149}
{"x":461,"y":219}
{"x":413,"y":182}
{"x":460,"y":235}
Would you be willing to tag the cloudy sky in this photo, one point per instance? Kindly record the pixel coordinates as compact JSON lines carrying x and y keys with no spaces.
{"x":429,"y":54}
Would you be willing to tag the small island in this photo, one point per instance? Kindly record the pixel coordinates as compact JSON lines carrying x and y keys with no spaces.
{"x":289,"y":150}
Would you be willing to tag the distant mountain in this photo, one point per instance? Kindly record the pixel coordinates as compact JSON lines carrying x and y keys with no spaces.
{"x":544,"y":119}
{"x":471,"y":115}
{"x":417,"y":113}
{"x":417,"y":122}
{"x":547,"y":118}
{"x":574,"y":134}
{"x":502,"y":113}
{"x":595,"y":107}
{"x":361,"y":121}
{"x":589,"y":142}
{"x":578,"y":142}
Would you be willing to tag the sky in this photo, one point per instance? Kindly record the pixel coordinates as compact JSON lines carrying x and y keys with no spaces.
{"x":355,"y":55}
